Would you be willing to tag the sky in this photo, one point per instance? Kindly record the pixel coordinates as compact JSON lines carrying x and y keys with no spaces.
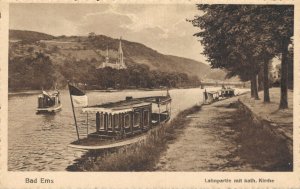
{"x":162,"y":27}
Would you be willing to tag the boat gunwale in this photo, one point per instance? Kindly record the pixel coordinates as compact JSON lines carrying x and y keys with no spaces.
{"x":128,"y":104}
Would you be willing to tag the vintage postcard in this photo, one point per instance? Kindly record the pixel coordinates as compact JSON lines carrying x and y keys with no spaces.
{"x":149,"y":94}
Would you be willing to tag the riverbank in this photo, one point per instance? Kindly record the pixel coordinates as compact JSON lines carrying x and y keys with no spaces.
{"x":223,"y":137}
{"x":269,"y":117}
{"x":25,"y":92}
{"x":220,"y":137}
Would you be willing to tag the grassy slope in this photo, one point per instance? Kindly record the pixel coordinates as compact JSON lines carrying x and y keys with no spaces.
{"x":28,"y":35}
{"x":79,"y":47}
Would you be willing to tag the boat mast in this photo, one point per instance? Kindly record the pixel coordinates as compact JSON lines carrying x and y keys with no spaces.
{"x":73,"y":111}
{"x":87,"y":123}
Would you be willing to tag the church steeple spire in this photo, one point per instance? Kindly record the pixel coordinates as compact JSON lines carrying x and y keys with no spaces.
{"x":121,"y":62}
{"x":107,"y":57}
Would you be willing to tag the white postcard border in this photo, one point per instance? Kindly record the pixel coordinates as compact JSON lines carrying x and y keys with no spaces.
{"x":10,"y":179}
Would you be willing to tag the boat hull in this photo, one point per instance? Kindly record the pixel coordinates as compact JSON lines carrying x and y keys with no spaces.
{"x":49,"y":109}
{"x":113,"y":143}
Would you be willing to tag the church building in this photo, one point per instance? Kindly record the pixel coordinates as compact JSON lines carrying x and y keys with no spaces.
{"x":119,"y":64}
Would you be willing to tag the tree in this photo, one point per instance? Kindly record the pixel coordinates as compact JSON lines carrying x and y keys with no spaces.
{"x":244,"y":38}
{"x":229,"y":40}
{"x":281,"y":25}
{"x":266,"y":82}
{"x":92,"y":35}
{"x":30,"y":49}
{"x":291,"y":68}
{"x":31,"y":72}
{"x":275,"y":30}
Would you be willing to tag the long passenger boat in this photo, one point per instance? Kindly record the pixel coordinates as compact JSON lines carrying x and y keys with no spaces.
{"x":213,"y":96}
{"x":124,"y":122}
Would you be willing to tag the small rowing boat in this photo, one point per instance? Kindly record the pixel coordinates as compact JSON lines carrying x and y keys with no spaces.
{"x":49,"y":102}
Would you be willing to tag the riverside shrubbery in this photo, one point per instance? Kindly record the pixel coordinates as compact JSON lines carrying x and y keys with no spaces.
{"x":37,"y":71}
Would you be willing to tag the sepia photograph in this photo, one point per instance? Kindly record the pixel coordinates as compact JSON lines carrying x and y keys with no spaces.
{"x":150,"y":87}
{"x":151,"y":94}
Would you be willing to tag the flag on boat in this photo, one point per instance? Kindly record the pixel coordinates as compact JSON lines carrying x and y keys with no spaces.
{"x":205,"y":95}
{"x":79,"y":98}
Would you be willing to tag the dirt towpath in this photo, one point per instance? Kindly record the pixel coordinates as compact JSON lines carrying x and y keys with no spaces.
{"x":219,"y":138}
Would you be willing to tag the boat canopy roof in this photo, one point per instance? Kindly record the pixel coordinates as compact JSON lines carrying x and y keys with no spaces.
{"x":221,"y":90}
{"x":157,"y":99}
{"x":128,"y":105}
{"x":227,"y":89}
{"x":212,"y":92}
{"x":50,"y":94}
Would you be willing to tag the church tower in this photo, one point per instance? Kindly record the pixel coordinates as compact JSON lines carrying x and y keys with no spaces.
{"x":119,"y":64}
{"x":120,"y":52}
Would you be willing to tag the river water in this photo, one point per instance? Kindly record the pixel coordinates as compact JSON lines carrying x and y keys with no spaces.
{"x":39,"y":142}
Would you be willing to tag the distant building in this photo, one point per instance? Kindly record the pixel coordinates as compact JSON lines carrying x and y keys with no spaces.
{"x":276,"y":69}
{"x":119,"y":64}
{"x":276,"y":72}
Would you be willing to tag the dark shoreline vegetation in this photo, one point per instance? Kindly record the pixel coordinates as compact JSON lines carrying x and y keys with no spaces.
{"x":38,"y":71}
{"x":137,"y":157}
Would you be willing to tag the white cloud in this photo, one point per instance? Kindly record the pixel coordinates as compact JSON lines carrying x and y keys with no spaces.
{"x":162,"y":27}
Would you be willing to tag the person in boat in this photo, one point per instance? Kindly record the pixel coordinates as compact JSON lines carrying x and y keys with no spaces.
{"x":48,"y":100}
